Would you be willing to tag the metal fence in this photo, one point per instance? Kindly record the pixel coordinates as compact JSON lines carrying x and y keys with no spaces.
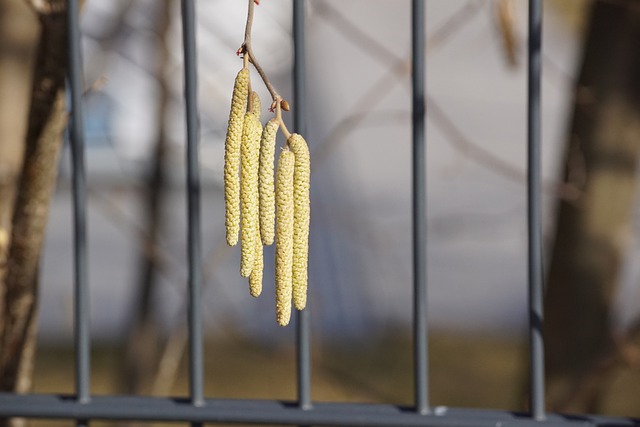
{"x":197,"y":410}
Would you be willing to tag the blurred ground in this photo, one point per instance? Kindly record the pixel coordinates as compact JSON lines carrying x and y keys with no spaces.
{"x":466,"y":371}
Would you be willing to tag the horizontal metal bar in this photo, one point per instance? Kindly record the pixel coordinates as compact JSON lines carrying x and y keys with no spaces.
{"x":153,"y":409}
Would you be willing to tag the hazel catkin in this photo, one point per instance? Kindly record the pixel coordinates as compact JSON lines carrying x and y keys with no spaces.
{"x":232,"y":156}
{"x":267,"y":195}
{"x":255,"y":279}
{"x":250,"y":157}
{"x":255,"y":105}
{"x":301,"y":181}
{"x":284,"y":235}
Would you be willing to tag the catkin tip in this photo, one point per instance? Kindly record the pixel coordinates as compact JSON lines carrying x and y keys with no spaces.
{"x":283,"y":318}
{"x":255,"y":279}
{"x":232,"y":238}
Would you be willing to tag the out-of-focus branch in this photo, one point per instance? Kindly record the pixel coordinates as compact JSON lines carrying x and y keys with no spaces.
{"x":143,"y":334}
{"x":175,"y":345}
{"x":19,"y":274}
{"x":399,"y":68}
{"x":506,"y":24}
{"x":589,"y":247}
{"x":47,"y":7}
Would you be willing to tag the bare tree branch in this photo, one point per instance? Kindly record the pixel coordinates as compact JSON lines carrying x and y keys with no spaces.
{"x":19,"y":280}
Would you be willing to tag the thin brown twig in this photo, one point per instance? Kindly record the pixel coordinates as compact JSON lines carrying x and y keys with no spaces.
{"x":248,"y":51}
{"x":249,"y":25}
{"x":283,"y":127}
{"x":169,"y":363}
{"x":278,"y":103}
{"x":176,"y":343}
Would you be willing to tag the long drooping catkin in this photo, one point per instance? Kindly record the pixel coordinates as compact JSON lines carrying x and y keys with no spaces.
{"x":249,"y":191}
{"x":232,"y":156}
{"x":301,"y":180}
{"x":255,"y":105}
{"x":267,"y":196}
{"x":284,"y":235}
{"x":255,"y":279}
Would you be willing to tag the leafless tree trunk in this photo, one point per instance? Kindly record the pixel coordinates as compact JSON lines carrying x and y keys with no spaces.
{"x":17,"y":39}
{"x":19,"y":278}
{"x":591,"y":236}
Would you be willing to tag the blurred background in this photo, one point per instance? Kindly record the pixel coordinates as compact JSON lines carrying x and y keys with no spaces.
{"x":358,"y":105}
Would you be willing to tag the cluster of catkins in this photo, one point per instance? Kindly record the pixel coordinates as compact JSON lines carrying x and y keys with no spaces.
{"x":254,"y":202}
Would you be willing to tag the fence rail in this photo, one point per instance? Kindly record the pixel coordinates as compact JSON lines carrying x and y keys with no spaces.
{"x":196,"y":409}
{"x":240,"y":411}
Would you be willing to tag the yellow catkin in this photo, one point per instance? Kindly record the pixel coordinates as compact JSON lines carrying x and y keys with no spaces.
{"x":232,"y":156}
{"x":284,"y":235}
{"x":250,"y":155}
{"x":255,"y":104}
{"x":255,"y":279}
{"x":267,"y":195}
{"x":301,"y":181}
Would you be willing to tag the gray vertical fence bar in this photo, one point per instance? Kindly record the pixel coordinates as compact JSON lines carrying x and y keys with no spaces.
{"x":534,"y":211}
{"x":419,"y":195}
{"x":303,"y":346}
{"x":76,"y":137}
{"x":196,"y":371}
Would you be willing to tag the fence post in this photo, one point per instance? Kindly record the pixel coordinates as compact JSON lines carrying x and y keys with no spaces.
{"x":196,"y":370}
{"x":303,"y":345}
{"x":419,"y":195}
{"x":534,"y":219}
{"x":76,"y":139}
